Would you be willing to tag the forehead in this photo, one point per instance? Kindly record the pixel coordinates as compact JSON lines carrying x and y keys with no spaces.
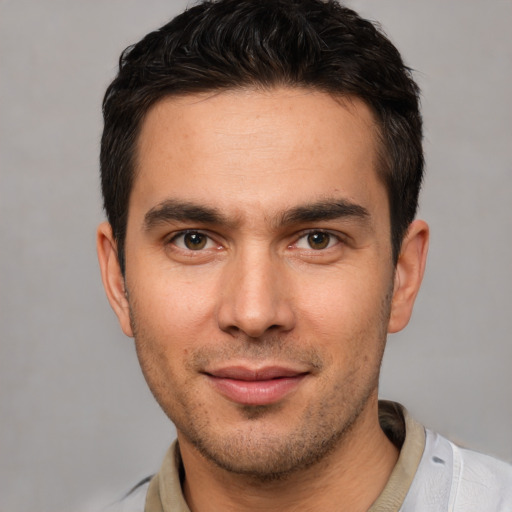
{"x":248,"y":148}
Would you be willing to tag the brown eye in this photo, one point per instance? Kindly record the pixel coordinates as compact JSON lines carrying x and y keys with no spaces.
{"x":195,"y":241}
{"x":193,"y":246}
{"x":318,"y":240}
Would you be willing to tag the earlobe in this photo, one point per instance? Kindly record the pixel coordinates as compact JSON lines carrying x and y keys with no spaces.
{"x":409,"y":274}
{"x":111,"y":275}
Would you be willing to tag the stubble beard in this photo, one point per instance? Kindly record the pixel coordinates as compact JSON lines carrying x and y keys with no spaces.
{"x":270,"y":458}
{"x":253,"y":451}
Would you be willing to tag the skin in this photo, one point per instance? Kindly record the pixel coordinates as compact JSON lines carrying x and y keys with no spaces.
{"x":286,"y":264}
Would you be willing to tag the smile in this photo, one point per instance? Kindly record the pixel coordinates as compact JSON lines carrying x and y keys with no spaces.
{"x":255,"y":387}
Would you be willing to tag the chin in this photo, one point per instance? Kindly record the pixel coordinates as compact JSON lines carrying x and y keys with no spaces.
{"x":266,"y":452}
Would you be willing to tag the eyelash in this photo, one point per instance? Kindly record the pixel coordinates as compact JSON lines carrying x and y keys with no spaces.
{"x":333,"y":239}
{"x":183,"y":234}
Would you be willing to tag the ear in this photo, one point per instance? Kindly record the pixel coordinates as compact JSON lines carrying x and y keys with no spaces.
{"x":113,"y":280}
{"x":408,"y":274}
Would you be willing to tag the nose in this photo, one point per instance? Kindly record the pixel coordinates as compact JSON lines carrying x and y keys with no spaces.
{"x":255,"y":296}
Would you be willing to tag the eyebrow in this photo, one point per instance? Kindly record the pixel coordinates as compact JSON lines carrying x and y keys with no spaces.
{"x":183,"y":211}
{"x":324,"y":210}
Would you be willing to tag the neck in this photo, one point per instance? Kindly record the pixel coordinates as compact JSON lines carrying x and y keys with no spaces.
{"x":350,"y":477}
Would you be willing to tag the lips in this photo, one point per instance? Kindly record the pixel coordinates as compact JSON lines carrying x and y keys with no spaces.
{"x":262,"y":386}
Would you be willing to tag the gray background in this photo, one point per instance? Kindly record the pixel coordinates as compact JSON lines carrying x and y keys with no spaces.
{"x":78,"y":426}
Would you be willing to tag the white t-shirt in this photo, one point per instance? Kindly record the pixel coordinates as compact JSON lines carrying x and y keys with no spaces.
{"x":454,"y":479}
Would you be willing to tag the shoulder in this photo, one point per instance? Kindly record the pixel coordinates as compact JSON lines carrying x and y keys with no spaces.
{"x":482,"y":479}
{"x":134,"y":500}
{"x":459,"y":480}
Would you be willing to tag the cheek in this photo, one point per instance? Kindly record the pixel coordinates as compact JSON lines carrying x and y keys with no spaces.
{"x":170,"y":319}
{"x":347,"y":315}
{"x":337,"y":299}
{"x":172,"y":306}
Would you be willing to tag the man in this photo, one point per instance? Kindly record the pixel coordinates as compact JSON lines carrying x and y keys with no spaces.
{"x":261,"y":163}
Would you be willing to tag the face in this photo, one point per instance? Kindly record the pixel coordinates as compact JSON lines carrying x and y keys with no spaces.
{"x":259,"y":278}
